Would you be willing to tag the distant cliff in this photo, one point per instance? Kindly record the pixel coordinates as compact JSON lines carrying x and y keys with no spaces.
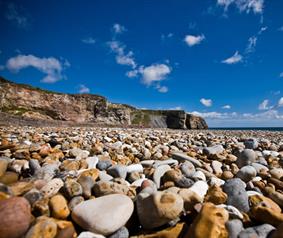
{"x":24,"y":101}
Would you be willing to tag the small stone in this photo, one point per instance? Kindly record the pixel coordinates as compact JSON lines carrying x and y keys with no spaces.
{"x":52,"y":187}
{"x":261,"y":231}
{"x":234,"y":213}
{"x":88,"y":234}
{"x":251,"y":143}
{"x":212,"y":150}
{"x":15,"y":217}
{"x":75,"y":201}
{"x":187,"y":168}
{"x":199,"y":175}
{"x":227,"y":175}
{"x":104,"y":164}
{"x":170,"y":232}
{"x":59,"y":207}
{"x":158,"y":208}
{"x":117,"y":171}
{"x":234,"y":227}
{"x":104,"y":215}
{"x":190,"y":198}
{"x":33,"y":195}
{"x":9,"y":177}
{"x":134,"y":168}
{"x":3,"y":166}
{"x":265,"y":210}
{"x":121,"y":233}
{"x":200,"y":188}
{"x":21,"y":187}
{"x":103,"y":188}
{"x":65,"y":229}
{"x":246,"y":173}
{"x":183,"y":157}
{"x":276,"y":173}
{"x":79,"y":153}
{"x":87,"y":184}
{"x":215,"y":195}
{"x":217,"y":168}
{"x":246,"y":157}
{"x":44,"y":227}
{"x":159,"y":172}
{"x":237,"y":195}
{"x":92,"y":162}
{"x":72,"y":188}
{"x":209,"y":223}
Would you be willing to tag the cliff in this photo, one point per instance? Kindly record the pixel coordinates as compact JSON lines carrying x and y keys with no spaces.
{"x":32,"y":103}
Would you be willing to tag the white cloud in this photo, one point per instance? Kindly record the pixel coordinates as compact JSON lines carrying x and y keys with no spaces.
{"x":118,"y":29}
{"x":83,"y":89}
{"x":122,"y":57}
{"x":206,"y":102}
{"x":236,"y":58}
{"x":168,"y":36}
{"x":264,"y":105}
{"x":226,"y":107}
{"x":256,"y":6}
{"x":17,"y":15}
{"x":89,"y":40}
{"x":51,"y":66}
{"x":280,"y":28}
{"x":162,"y":89}
{"x":281,"y":75}
{"x":251,"y":44}
{"x":192,"y":40}
{"x":280,"y":102}
{"x":154,"y":73}
{"x":176,"y":108}
{"x":262,"y":29}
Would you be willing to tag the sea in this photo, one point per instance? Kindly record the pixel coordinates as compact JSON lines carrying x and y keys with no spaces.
{"x":248,"y":128}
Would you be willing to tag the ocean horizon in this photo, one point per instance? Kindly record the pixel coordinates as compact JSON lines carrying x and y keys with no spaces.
{"x":248,"y":128}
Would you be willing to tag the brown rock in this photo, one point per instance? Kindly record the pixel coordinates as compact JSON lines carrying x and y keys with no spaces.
{"x":3,"y":166}
{"x":9,"y":178}
{"x":190,"y":198}
{"x":210,"y":223}
{"x":227,"y":175}
{"x":94,"y":173}
{"x":44,"y":227}
{"x":215,"y":195}
{"x":41,"y":208}
{"x":171,"y":232}
{"x":65,"y":229}
{"x":15,"y":217}
{"x":265,"y":210}
{"x":59,"y":207}
{"x":21,"y":187}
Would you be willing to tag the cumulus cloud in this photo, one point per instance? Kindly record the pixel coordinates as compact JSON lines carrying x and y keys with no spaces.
{"x":89,"y":40}
{"x":122,"y":57}
{"x":52,"y":67}
{"x":236,"y":58}
{"x":83,"y":89}
{"x":17,"y":15}
{"x":154,"y":73}
{"x":256,"y":6}
{"x":226,"y":107}
{"x":150,"y":75}
{"x":206,"y":102}
{"x":264,"y":105}
{"x":118,"y":29}
{"x":192,"y":40}
{"x":280,"y":102}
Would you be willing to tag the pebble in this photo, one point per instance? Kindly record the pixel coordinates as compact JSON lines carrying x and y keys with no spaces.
{"x":237,"y":195}
{"x":52,"y":187}
{"x":117,"y":171}
{"x":246,"y":173}
{"x":246,"y":157}
{"x":159,"y":172}
{"x":59,"y":207}
{"x":234,"y":227}
{"x":200,"y":188}
{"x":183,"y":157}
{"x":159,"y":208}
{"x":104,"y":215}
{"x":260,"y":231}
{"x":44,"y":227}
{"x":15,"y":217}
{"x":212,"y":150}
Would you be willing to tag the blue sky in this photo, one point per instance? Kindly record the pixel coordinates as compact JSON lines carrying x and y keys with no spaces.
{"x":221,"y":59}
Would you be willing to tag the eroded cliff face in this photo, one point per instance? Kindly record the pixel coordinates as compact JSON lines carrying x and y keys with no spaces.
{"x":38,"y":104}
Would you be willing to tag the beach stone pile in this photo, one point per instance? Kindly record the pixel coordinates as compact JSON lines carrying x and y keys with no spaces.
{"x":146,"y":183}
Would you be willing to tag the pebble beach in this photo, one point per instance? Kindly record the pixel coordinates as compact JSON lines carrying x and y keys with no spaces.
{"x":87,"y":182}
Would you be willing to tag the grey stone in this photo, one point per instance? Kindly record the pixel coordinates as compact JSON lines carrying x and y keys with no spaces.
{"x":246,"y":157}
{"x":261,"y":231}
{"x":234,"y":227}
{"x":118,"y":171}
{"x":121,"y":233}
{"x":104,"y":215}
{"x":187,"y":168}
{"x":183,"y":157}
{"x":159,"y":172}
{"x":212,"y":150}
{"x":246,"y":173}
{"x":237,"y":195}
{"x":251,"y":143}
{"x":104,"y":164}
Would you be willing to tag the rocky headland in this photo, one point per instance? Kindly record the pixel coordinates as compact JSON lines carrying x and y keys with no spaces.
{"x":26,"y":105}
{"x":88,"y":182}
